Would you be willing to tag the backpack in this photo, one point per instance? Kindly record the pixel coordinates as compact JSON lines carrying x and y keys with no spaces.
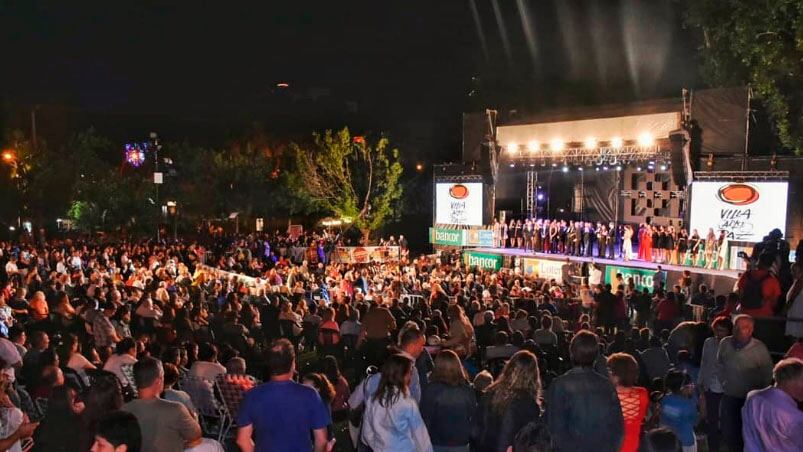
{"x":752,"y":295}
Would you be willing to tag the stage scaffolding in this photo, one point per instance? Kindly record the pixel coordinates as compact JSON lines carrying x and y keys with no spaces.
{"x":592,"y":156}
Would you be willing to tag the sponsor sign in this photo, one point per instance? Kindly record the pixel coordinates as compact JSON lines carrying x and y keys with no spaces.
{"x":546,"y":269}
{"x":642,"y":278}
{"x":458,"y":203}
{"x":745,"y":211}
{"x":484,"y":261}
{"x":452,"y":237}
{"x":480,"y":237}
{"x":295,"y":230}
{"x":366,"y":254}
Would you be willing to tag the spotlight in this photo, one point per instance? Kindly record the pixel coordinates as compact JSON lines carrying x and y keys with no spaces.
{"x":590,"y":143}
{"x":596,"y":168}
{"x":512,"y":147}
{"x":512,"y":165}
{"x":581,"y":169}
{"x":646,"y":139}
{"x":663,"y":167}
{"x":532,"y":165}
{"x":532,"y":146}
{"x":540,"y":196}
{"x":554,"y":165}
{"x":605,"y":168}
{"x":618,"y":167}
{"x":565,"y":169}
{"x":617,"y":142}
{"x":638,"y":168}
{"x":556,"y":145}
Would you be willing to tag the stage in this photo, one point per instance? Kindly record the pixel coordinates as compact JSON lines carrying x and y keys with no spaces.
{"x":549,"y":266}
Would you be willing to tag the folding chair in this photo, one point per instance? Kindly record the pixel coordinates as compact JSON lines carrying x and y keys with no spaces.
{"x":214,"y":417}
{"x":128,"y":373}
{"x":232,"y":389}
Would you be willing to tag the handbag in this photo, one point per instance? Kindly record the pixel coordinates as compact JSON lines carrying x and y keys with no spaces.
{"x":356,"y":413}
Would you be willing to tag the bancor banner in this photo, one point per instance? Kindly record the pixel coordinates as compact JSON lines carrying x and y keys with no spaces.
{"x":480,"y":237}
{"x":366,"y":254}
{"x":642,"y":278}
{"x":484,"y":261}
{"x":443,"y":236}
{"x":546,"y":269}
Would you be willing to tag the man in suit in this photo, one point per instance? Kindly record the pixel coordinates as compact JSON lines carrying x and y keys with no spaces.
{"x":588,"y":239}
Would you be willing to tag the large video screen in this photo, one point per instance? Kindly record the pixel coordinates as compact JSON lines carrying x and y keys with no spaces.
{"x":458,"y":203}
{"x":745,"y":211}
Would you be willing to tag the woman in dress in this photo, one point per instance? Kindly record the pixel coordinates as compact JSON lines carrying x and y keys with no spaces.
{"x":657,"y":244}
{"x":553,"y":236}
{"x":694,"y":247}
{"x":671,"y":245}
{"x":722,"y":251}
{"x":627,"y":243}
{"x":682,"y":246}
{"x":633,"y":399}
{"x":647,"y":243}
{"x":511,"y":233}
{"x":710,"y":248}
{"x":519,"y":234}
{"x":641,"y":248}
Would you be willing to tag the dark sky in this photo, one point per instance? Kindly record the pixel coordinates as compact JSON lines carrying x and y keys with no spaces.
{"x":406,"y":65}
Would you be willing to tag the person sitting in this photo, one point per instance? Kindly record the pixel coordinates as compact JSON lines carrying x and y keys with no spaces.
{"x":119,"y":431}
{"x":125,"y":354}
{"x":57,"y":430}
{"x":207,"y":366}
{"x":502,"y":347}
{"x":545,"y":335}
{"x":166,"y":425}
{"x":171,"y":376}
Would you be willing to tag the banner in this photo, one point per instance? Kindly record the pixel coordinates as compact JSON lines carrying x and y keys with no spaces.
{"x":366,"y":254}
{"x":484,"y":261}
{"x":459,"y":203}
{"x":745,"y":211}
{"x":452,"y":237}
{"x":642,"y":278}
{"x":546,"y":269}
{"x":480,"y":237}
{"x":295,"y":230}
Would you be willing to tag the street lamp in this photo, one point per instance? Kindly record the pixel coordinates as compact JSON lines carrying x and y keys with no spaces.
{"x":9,"y":156}
{"x":172,"y":210}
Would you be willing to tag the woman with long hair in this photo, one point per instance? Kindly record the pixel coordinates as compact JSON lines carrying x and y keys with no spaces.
{"x":105,"y":396}
{"x":512,"y":401}
{"x":710,"y":248}
{"x":448,"y":404}
{"x":56,"y":432}
{"x":627,"y":242}
{"x":633,"y":399}
{"x":461,"y":333}
{"x":391,"y":420}
{"x":694,"y":247}
{"x":331,"y":369}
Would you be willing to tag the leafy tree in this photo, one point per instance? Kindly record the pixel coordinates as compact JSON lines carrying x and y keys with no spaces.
{"x":760,"y":44}
{"x":348,"y":177}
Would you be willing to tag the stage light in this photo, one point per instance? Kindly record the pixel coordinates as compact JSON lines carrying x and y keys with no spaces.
{"x":638,"y":168}
{"x":565,"y":169}
{"x":663,"y":167}
{"x":512,"y":147}
{"x":532,"y":165}
{"x":605,"y":168}
{"x":540,"y":196}
{"x":556,"y":145}
{"x":581,"y":169}
{"x":512,"y":165}
{"x":646,"y":139}
{"x":554,"y":165}
{"x":532,"y":146}
{"x":618,"y":167}
{"x":617,"y":142}
{"x":590,"y":143}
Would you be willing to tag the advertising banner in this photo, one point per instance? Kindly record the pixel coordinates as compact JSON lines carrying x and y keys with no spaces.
{"x":642,"y":278}
{"x":480,"y":237}
{"x":458,"y":203}
{"x":482,"y":260}
{"x":366,"y":254}
{"x":544,"y":268}
{"x":745,"y":211}
{"x":442,"y":236}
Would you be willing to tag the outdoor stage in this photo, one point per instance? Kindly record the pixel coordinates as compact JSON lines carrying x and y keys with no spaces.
{"x":549,"y":266}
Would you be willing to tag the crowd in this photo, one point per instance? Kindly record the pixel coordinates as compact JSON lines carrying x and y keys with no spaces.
{"x":137,"y":346}
{"x":653,"y":243}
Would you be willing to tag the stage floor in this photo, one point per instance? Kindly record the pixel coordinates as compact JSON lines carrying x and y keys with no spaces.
{"x":516,"y":252}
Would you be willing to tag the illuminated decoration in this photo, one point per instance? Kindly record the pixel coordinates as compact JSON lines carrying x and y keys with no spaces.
{"x":617,"y":142}
{"x":646,"y":139}
{"x":556,"y":145}
{"x":135,"y":154}
{"x":533,"y":146}
{"x":512,"y":147}
{"x":8,"y":155}
{"x":590,"y":143}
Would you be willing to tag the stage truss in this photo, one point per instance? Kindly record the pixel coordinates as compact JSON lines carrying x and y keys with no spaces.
{"x":594,"y":156}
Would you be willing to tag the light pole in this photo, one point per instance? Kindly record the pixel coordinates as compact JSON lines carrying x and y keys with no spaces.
{"x":157,"y":177}
{"x":9,"y":157}
{"x":172,"y":210}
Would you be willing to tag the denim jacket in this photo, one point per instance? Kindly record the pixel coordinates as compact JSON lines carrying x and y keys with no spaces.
{"x":583,"y":412}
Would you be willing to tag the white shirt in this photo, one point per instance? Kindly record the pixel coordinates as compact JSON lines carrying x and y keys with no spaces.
{"x":206,"y":370}
{"x":114,"y":363}
{"x":594,"y":276}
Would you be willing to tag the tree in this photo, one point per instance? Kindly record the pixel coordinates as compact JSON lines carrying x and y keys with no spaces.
{"x":349,"y":177}
{"x":760,"y":45}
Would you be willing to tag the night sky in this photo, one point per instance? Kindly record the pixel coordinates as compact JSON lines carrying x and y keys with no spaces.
{"x":406,"y":67}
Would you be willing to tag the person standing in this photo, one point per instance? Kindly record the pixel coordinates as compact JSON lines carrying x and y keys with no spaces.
{"x":627,"y":242}
{"x":449,"y":404}
{"x":743,"y":364}
{"x":710,"y":383}
{"x":391,"y":421}
{"x":794,"y":300}
{"x":297,"y":418}
{"x":583,"y":409}
{"x":759,"y":289}
{"x":633,"y":399}
{"x":772,"y":420}
{"x":679,"y":408}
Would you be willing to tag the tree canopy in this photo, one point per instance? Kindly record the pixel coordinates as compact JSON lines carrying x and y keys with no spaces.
{"x":759,"y":44}
{"x":349,"y":177}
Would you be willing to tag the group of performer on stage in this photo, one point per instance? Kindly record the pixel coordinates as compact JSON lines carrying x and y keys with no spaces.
{"x":655,"y":243}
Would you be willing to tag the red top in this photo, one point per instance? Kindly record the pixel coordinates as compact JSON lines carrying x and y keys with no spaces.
{"x":770,"y":291}
{"x":634,"y":401}
{"x":667,"y":310}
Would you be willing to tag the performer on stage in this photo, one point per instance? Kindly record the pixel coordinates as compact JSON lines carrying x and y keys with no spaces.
{"x":588,"y":239}
{"x":694,"y":248}
{"x":571,"y":239}
{"x":647,"y":243}
{"x":627,"y":242}
{"x":511,"y":233}
{"x":671,"y":254}
{"x":602,"y":240}
{"x":710,"y":248}
{"x":682,"y":246}
{"x":545,"y":237}
{"x":496,"y":233}
{"x":562,"y":227}
{"x":656,"y":244}
{"x":537,"y":236}
{"x":527,"y":232}
{"x":722,"y":255}
{"x":503,"y":233}
{"x":612,"y":240}
{"x":553,"y":236}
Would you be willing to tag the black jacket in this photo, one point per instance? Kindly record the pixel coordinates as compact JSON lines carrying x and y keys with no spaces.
{"x":494,"y":433}
{"x":448,"y":412}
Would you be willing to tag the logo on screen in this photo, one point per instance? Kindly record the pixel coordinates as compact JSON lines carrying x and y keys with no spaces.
{"x":738,"y":194}
{"x":458,"y":191}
